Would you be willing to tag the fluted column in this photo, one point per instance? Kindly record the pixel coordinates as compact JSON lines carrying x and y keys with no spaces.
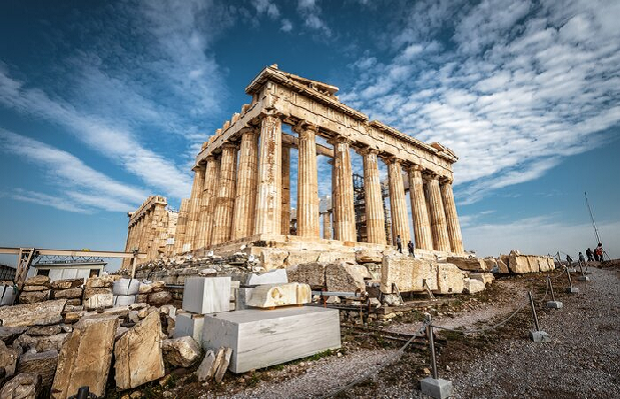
{"x":286,"y":191}
{"x":398,"y":204}
{"x":209,"y":198}
{"x":375,"y":218}
{"x":452,"y":219}
{"x":269,"y":190}
{"x":439,"y":228}
{"x":194,"y":206}
{"x":308,"y":184}
{"x":225,"y":203}
{"x":179,"y":235}
{"x":333,"y":213}
{"x":245,"y":203}
{"x":327,"y":226}
{"x":421,"y":222}
{"x":343,"y":192}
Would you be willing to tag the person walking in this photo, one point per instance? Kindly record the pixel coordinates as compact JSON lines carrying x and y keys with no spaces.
{"x":569,"y":260}
{"x":589,"y":255}
{"x":410,"y":247}
{"x":598,"y":252}
{"x":399,"y":244}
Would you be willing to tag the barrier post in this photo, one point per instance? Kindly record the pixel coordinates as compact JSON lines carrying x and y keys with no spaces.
{"x":538,"y":335}
{"x":553,"y":303}
{"x":583,"y":276}
{"x":434,"y":386}
{"x":571,"y":289}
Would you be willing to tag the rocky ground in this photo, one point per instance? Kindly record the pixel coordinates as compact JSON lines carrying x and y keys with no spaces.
{"x":583,"y":359}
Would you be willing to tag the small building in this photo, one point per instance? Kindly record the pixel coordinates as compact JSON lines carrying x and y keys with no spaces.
{"x":61,"y":268}
{"x":7,"y":273}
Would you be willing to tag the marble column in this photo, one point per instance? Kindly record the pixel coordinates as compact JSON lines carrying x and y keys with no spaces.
{"x":179,"y":235}
{"x":441,"y":242}
{"x":327,"y":226}
{"x":398,"y":204}
{"x":344,"y":212}
{"x":269,"y":191}
{"x":209,"y":198}
{"x":452,"y":219}
{"x":307,"y":182}
{"x":286,"y":191}
{"x":375,"y":218}
{"x":245,"y":203}
{"x":194,"y":206}
{"x":421,"y":223}
{"x":333,"y":213}
{"x":225,"y":203}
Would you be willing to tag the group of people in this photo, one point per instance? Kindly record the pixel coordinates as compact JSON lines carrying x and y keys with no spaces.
{"x":596,"y":255}
{"x":410,"y":246}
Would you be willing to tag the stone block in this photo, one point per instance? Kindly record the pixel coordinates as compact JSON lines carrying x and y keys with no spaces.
{"x":485,"y":278}
{"x":90,"y":291}
{"x":189,"y":324}
{"x":207,"y":294}
{"x":8,"y":359}
{"x":42,"y":363}
{"x":449,"y":279}
{"x":257,"y":337}
{"x":572,"y":290}
{"x":269,"y":296}
{"x":44,"y":330}
{"x":126,"y":286}
{"x":273,"y":258}
{"x":123,"y":300}
{"x":470,"y":264}
{"x":436,"y":388}
{"x":37,"y":314}
{"x":408,"y":274}
{"x":368,"y":256}
{"x":503,"y":265}
{"x":540,"y":336}
{"x":66,"y":284}
{"x":30,"y":288}
{"x":85,"y":358}
{"x":343,"y":277}
{"x":99,"y":301}
{"x":243,"y":296}
{"x":29,"y":297}
{"x":25,"y":385}
{"x":159,"y":298}
{"x":312,"y":274}
{"x":41,"y":343}
{"x":277,"y":276}
{"x":138,"y":356}
{"x":104,"y":281}
{"x":555,"y":304}
{"x":8,"y":294}
{"x":471,"y":286}
{"x":39,"y":279}
{"x":8,"y":334}
{"x":68,"y":293}
{"x":207,"y":367}
{"x":182,"y":351}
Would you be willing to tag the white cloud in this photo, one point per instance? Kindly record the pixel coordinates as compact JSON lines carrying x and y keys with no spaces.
{"x":310,"y":12}
{"x":287,"y":25}
{"x":266,"y":7}
{"x":59,"y":203}
{"x":517,"y":89}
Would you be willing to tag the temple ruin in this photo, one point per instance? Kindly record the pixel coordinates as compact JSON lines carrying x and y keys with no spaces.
{"x":241,"y":189}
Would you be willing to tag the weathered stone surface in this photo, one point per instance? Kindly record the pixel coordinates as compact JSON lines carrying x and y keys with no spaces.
{"x":74,"y":302}
{"x":345,"y":278}
{"x":368,"y":256}
{"x":546,"y":263}
{"x":273,"y":258}
{"x":44,"y":330}
{"x":66,"y":284}
{"x":269,"y":296}
{"x":206,"y":370}
{"x":29,"y":297}
{"x":183,"y":351}
{"x":8,"y":334}
{"x":223,"y":365}
{"x":159,"y":298}
{"x":38,"y":280}
{"x":299,"y":257}
{"x":312,"y":274}
{"x":8,"y":359}
{"x":151,"y":287}
{"x":207,"y":294}
{"x":29,"y":288}
{"x":408,"y":274}
{"x":523,"y":263}
{"x":85,"y":357}
{"x":42,"y":363}
{"x":103,"y":281}
{"x":37,"y":314}
{"x":72,"y":317}
{"x":68,"y":293}
{"x":90,"y":291}
{"x":99,"y":301}
{"x":22,"y":386}
{"x":503,"y":265}
{"x":472,"y":286}
{"x":470,"y":264}
{"x":125,"y":286}
{"x":485,"y":278}
{"x":40,"y":343}
{"x":276,"y":276}
{"x":449,"y":279}
{"x":138,"y":354}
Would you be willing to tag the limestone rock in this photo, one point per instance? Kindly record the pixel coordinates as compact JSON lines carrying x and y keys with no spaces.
{"x":299,"y":257}
{"x":485,"y":278}
{"x":502,"y":263}
{"x":42,"y":363}
{"x":522,"y":263}
{"x":276,"y":276}
{"x":268,"y":296}
{"x":273,"y":258}
{"x":408,"y":274}
{"x":183,"y":351}
{"x":22,"y":386}
{"x":449,"y":279}
{"x":44,"y":330}
{"x":68,"y":293}
{"x":104,"y":281}
{"x":345,"y":278}
{"x":29,"y":297}
{"x":37,"y":314}
{"x":206,"y":370}
{"x":39,"y":279}
{"x":66,"y":284}
{"x":99,"y":301}
{"x":159,"y":298}
{"x":40,"y":343}
{"x":368,"y":256}
{"x":29,"y":288}
{"x":152,"y":287}
{"x":91,"y":291}
{"x":8,"y":334}
{"x":546,"y":263}
{"x":470,"y":264}
{"x":312,"y":274}
{"x":223,"y":364}
{"x":138,"y":354}
{"x":74,"y":301}
{"x":472,"y":286}
{"x":85,"y":357}
{"x":8,"y":359}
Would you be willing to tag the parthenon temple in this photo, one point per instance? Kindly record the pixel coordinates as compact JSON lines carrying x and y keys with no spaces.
{"x":241,"y":189}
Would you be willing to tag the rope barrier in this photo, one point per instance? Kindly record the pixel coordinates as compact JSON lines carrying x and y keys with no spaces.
{"x":484,"y":328}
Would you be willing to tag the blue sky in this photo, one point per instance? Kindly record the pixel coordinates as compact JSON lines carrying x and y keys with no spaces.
{"x":105,"y":103}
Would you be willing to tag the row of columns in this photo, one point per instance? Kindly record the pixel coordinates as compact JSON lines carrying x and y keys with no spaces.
{"x":230,"y":203}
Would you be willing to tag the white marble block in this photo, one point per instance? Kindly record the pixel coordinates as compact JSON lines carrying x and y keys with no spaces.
{"x":269,"y":296}
{"x":206,"y":294}
{"x":189,"y":324}
{"x":262,"y":338}
{"x":277,"y":276}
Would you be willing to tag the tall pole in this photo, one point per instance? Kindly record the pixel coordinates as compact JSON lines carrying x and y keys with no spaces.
{"x":598,"y":238}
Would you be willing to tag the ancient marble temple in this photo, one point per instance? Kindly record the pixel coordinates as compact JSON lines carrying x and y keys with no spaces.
{"x":241,"y":188}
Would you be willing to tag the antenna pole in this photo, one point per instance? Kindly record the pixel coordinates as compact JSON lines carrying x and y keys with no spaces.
{"x":598,"y":238}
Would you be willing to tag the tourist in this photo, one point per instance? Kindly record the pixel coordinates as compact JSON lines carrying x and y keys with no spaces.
{"x":598,"y":252}
{"x":582,"y":259}
{"x":399,"y":244}
{"x":590,"y":255}
{"x":410,"y":247}
{"x":569,"y":260}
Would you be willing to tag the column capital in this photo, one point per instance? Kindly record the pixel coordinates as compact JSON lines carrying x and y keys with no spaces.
{"x":229,"y":144}
{"x":248,"y":130}
{"x":270,"y":113}
{"x":430,"y":175}
{"x":303,"y":125}
{"x":367,"y":151}
{"x":339,"y":140}
{"x":392,"y":160}
{"x":446,"y":180}
{"x":415,"y":168}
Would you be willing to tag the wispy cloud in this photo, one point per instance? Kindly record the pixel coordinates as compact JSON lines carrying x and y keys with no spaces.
{"x":84,"y":187}
{"x":266,"y":7}
{"x":516,"y":89}
{"x":310,"y":12}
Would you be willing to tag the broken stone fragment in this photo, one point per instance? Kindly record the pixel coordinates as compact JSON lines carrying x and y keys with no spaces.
{"x":138,"y":354}
{"x":408,"y":274}
{"x":472,"y":264}
{"x":159,"y":298}
{"x":342,"y":277}
{"x":277,"y":276}
{"x":40,"y":343}
{"x":268,"y":296}
{"x":206,"y":369}
{"x":44,"y":330}
{"x":37,"y":314}
{"x":22,"y":386}
{"x":42,"y":363}
{"x":85,"y":357}
{"x":8,"y":334}
{"x":312,"y":274}
{"x":449,"y":279}
{"x":39,"y":279}
{"x":68,"y":293}
{"x":183,"y":351}
{"x":472,"y":286}
{"x":91,"y":291}
{"x":102,"y":281}
{"x":368,"y":256}
{"x":223,"y":365}
{"x":66,"y":284}
{"x":99,"y":301}
{"x":29,"y":297}
{"x":502,"y":264}
{"x":8,"y":359}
